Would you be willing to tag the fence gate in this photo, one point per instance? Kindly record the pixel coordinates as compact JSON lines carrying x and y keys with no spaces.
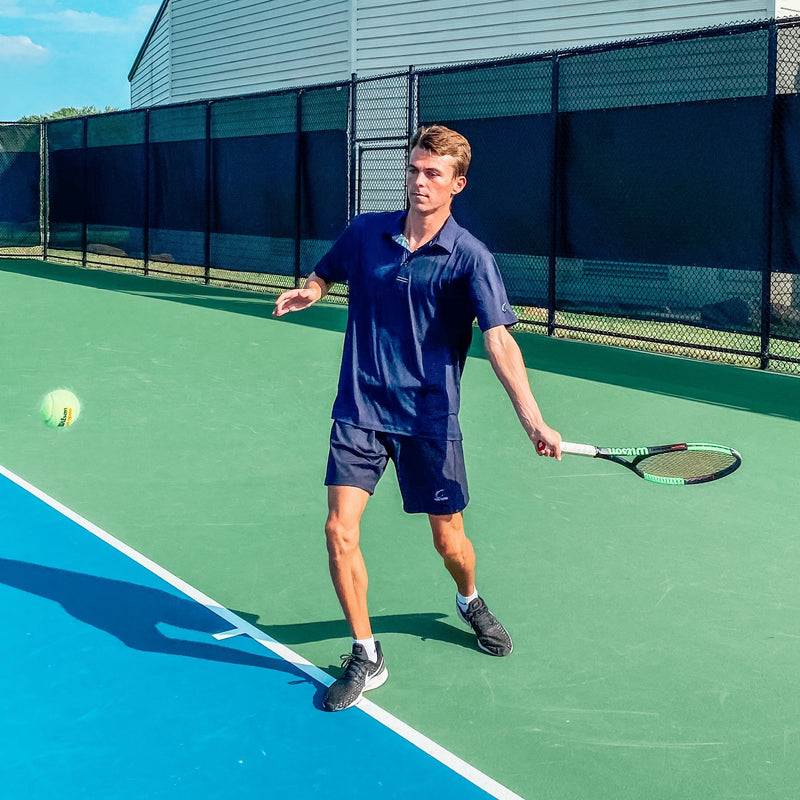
{"x":384,"y":114}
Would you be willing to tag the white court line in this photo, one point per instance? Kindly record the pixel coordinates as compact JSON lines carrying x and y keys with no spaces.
{"x":241,"y":626}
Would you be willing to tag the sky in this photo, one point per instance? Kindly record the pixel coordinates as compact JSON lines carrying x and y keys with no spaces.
{"x":60,"y":53}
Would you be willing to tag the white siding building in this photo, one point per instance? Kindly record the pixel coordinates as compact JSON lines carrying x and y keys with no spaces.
{"x":199,"y":49}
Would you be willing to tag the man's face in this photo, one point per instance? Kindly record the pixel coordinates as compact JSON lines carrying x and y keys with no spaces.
{"x":431,"y":182}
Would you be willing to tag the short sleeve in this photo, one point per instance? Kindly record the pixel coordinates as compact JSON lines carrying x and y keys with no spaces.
{"x":335,"y":265}
{"x":489,"y":297}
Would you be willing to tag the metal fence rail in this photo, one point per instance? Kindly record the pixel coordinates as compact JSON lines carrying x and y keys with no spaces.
{"x":644,"y":193}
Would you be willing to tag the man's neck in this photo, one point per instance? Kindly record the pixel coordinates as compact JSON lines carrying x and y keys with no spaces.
{"x":421,"y":228}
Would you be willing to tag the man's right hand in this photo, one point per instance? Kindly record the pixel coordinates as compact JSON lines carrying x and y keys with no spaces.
{"x":296,"y":300}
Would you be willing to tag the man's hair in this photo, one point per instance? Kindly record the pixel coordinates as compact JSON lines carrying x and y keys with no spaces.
{"x":442,"y":141}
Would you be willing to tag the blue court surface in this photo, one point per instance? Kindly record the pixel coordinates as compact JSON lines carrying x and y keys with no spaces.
{"x":117,"y":687}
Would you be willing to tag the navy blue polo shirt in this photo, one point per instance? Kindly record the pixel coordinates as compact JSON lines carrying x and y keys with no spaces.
{"x":410,"y":323}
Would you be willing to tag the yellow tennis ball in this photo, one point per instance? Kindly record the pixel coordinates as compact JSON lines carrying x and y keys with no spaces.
{"x":60,"y":408}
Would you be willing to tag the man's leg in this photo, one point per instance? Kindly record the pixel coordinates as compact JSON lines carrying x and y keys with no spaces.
{"x":346,"y":505}
{"x":452,"y":544}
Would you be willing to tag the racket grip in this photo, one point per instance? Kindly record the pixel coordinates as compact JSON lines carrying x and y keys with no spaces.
{"x":574,"y":449}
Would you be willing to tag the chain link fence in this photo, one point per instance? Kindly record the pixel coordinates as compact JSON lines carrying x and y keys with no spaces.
{"x":21,"y":212}
{"x":644,"y":193}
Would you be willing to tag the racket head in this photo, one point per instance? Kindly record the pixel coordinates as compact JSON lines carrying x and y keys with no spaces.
{"x":687,"y":463}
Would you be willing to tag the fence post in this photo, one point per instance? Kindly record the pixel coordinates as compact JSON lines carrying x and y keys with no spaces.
{"x":44,"y":188}
{"x":298,"y":202}
{"x":412,"y":105}
{"x":353,"y":149}
{"x":766,"y":274}
{"x":554,"y":202}
{"x":146,"y":231}
{"x":85,"y":207}
{"x":208,"y":198}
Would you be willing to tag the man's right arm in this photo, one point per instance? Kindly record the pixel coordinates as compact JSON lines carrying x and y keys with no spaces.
{"x":334,"y":265}
{"x":298,"y":299}
{"x":506,"y":360}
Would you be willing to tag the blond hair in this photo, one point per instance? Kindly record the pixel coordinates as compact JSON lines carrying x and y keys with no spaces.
{"x":442,"y":141}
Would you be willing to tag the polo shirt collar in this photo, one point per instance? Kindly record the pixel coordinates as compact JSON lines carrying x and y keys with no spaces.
{"x":445,"y":239}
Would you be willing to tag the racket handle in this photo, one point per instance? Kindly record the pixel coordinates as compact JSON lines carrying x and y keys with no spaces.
{"x":574,"y":449}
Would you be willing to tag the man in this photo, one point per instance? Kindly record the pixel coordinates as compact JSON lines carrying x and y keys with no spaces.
{"x":417,"y":281}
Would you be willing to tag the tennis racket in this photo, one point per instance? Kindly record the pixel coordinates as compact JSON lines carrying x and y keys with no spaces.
{"x":673,"y":464}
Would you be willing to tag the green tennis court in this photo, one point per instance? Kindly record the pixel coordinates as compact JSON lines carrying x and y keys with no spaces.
{"x":656,"y":629}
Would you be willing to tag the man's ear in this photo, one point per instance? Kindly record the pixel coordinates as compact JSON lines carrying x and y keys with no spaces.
{"x":459,"y":184}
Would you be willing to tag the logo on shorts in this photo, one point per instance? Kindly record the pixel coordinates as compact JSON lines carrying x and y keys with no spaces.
{"x":440,"y":496}
{"x":505,"y":307}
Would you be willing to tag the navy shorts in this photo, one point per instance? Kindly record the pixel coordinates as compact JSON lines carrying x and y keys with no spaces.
{"x":431,"y":473}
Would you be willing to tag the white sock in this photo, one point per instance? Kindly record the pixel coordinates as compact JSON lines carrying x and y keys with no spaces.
{"x":464,"y":602}
{"x":369,"y":647}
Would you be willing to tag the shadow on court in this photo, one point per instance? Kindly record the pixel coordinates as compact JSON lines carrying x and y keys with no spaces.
{"x":137,"y":616}
{"x":133,"y":614}
{"x":157,"y":288}
{"x":421,"y":626}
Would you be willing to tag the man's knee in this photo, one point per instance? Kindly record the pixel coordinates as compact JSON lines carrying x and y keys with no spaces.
{"x":341,"y":538}
{"x":449,"y":537}
{"x":345,"y":506}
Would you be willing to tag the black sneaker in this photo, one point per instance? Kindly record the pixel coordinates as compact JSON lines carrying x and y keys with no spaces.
{"x":360,"y":674}
{"x":493,"y":638}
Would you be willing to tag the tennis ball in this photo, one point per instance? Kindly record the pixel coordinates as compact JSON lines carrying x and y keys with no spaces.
{"x":60,"y":408}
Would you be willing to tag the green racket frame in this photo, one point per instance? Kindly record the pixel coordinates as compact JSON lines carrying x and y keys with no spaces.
{"x":680,"y":464}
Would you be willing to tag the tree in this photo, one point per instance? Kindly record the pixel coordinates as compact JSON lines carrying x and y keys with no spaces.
{"x":66,"y":113}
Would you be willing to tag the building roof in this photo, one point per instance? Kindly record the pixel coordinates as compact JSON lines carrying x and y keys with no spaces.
{"x":143,"y":48}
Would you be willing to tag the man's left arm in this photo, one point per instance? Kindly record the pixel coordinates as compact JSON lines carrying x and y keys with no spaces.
{"x":506,"y":360}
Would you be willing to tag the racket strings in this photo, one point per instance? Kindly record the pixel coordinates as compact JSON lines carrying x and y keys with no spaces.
{"x":687,"y":463}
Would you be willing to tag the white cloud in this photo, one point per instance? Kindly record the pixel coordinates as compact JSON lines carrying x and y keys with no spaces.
{"x":145,"y":14}
{"x":83,"y":21}
{"x":72,"y":21}
{"x":24,"y":9}
{"x":20,"y":48}
{"x":8,"y":8}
